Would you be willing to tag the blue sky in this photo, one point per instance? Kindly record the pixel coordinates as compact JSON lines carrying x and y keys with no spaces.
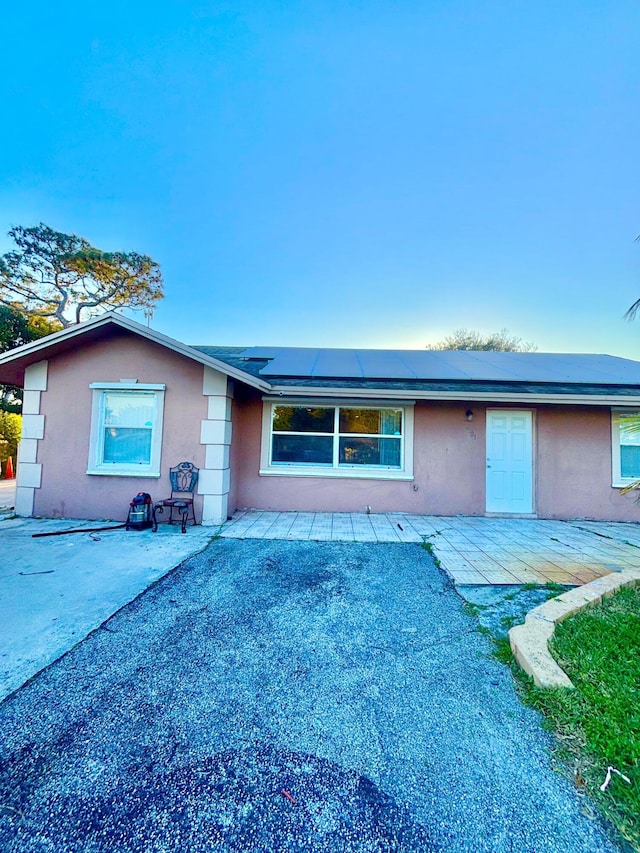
{"x":371,"y":174}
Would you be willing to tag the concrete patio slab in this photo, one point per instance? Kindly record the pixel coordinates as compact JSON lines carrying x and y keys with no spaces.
{"x":7,"y":493}
{"x":56,"y":590}
{"x":472,"y":550}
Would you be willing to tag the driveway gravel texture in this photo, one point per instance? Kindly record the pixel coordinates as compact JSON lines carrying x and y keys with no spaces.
{"x":285,"y":696}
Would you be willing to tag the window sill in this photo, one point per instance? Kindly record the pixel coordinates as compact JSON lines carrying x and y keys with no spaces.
{"x":337,"y":473}
{"x":120,"y":472}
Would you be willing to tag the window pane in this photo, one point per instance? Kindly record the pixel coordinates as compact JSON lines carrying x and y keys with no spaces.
{"x":303,"y":449}
{"x":629,"y":429}
{"x":130,"y":446}
{"x":132,"y":409}
{"x":302,"y":419}
{"x":370,"y":451}
{"x":630,"y":461}
{"x":371,"y":421}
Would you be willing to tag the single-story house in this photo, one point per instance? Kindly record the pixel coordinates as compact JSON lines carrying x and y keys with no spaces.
{"x":110,"y":405}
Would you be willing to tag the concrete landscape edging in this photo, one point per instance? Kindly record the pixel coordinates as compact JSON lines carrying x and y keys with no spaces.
{"x":530,"y":641}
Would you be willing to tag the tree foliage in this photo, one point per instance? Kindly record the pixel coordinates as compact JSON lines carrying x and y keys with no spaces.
{"x":64,"y":278}
{"x":16,"y":329}
{"x":10,"y":430}
{"x":469,"y":339}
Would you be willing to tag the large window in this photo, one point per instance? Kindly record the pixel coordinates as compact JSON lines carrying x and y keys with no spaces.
{"x":349,"y":439}
{"x":126,"y":429}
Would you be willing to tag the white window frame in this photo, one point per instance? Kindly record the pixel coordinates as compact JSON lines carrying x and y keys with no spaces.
{"x":96,"y":464}
{"x":372,"y":472}
{"x":617,"y":480}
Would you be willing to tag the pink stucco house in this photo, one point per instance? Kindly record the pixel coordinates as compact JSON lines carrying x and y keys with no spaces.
{"x":110,"y":405}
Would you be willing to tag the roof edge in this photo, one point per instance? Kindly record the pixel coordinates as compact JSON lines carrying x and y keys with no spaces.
{"x":468,"y":395}
{"x":112,"y":318}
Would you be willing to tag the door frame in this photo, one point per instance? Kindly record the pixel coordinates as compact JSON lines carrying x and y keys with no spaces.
{"x":534,"y":457}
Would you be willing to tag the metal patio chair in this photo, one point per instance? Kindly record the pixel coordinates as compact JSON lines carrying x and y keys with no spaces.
{"x":184,"y":479}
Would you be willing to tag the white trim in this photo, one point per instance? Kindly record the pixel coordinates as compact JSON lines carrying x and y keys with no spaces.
{"x":33,"y":426}
{"x":337,"y":473}
{"x":214,"y":509}
{"x":96,"y":465}
{"x":395,"y":395}
{"x":25,"y":496}
{"x":30,"y":475}
{"x":120,"y":472}
{"x":216,"y":456}
{"x":35,"y":376}
{"x":215,"y":432}
{"x":617,"y":480}
{"x":214,"y":481}
{"x":127,"y":385}
{"x":359,"y":472}
{"x":215,"y":435}
{"x":31,"y":402}
{"x":42,"y":344}
{"x":214,"y":383}
{"x":219,"y":408}
{"x":374,"y":402}
{"x":29,"y":471}
{"x":28,"y":450}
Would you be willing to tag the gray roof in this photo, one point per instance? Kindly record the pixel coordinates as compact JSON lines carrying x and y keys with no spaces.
{"x":408,"y":367}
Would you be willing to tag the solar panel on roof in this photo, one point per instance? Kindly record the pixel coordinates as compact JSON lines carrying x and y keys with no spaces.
{"x":444,"y":365}
{"x":385,"y":365}
{"x":337,"y":362}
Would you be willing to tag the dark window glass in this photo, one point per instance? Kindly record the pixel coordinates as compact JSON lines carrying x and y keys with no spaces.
{"x":302,"y":419}
{"x":303,"y":449}
{"x":370,"y":451}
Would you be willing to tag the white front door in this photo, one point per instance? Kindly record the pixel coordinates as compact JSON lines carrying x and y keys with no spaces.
{"x":509,"y":461}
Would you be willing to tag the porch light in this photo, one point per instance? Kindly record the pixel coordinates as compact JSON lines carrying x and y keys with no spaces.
{"x":469,"y":415}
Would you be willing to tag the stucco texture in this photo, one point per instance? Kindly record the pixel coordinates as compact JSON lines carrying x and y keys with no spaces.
{"x":572,"y":467}
{"x":572,"y":450}
{"x":67,"y":490}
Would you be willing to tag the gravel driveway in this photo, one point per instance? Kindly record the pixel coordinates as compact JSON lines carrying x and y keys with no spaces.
{"x":285,"y":696}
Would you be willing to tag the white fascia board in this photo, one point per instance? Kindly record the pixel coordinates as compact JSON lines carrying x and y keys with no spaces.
{"x":144,"y":332}
{"x":340,"y":400}
{"x":413,"y":395}
{"x":126,"y":385}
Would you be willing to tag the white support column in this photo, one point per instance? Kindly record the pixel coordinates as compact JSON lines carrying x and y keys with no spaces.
{"x":29,"y":472}
{"x":215,"y":434}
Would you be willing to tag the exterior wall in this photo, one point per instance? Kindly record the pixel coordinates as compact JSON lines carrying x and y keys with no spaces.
{"x":572,"y":449}
{"x":572,"y":467}
{"x":448,"y":470}
{"x":66,"y":489}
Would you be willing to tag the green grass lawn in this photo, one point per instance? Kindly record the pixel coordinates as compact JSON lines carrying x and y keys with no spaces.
{"x":597,"y":725}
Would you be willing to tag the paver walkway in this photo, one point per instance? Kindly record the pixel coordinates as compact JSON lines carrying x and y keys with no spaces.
{"x":472,"y":550}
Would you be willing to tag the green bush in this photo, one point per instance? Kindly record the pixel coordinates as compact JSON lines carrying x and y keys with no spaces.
{"x":10,"y":431}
